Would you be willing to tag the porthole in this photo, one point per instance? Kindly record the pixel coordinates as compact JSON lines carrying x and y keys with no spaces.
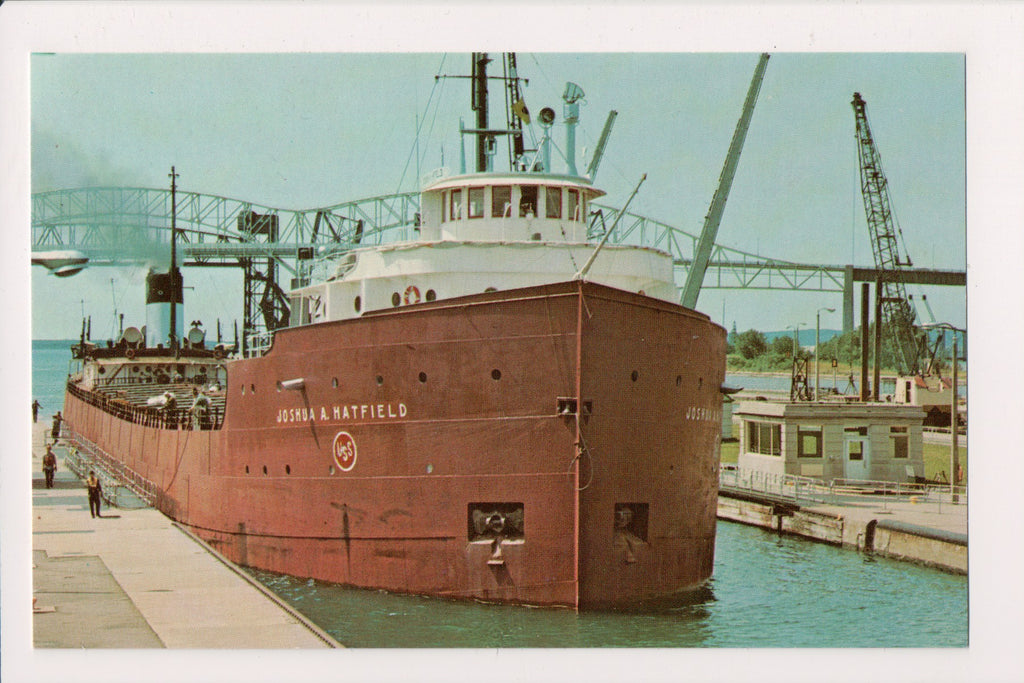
{"x":287,"y":469}
{"x":252,"y":388}
{"x":330,"y":470}
{"x":243,"y":390}
{"x":279,"y":385}
{"x":247,"y":469}
{"x":495,"y":374}
{"x":700,"y":382}
{"x":102,"y":370}
{"x":431,"y":295}
{"x":423,"y":377}
{"x":380,"y":380}
{"x":634,"y":376}
{"x":359,"y":304}
{"x":430,"y":468}
{"x":264,"y":469}
{"x":334,"y":382}
{"x":679,"y":380}
{"x":396,"y":299}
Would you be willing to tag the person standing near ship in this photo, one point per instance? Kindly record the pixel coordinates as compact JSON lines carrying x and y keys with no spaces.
{"x":36,"y":405}
{"x":200,"y":408}
{"x":95,"y":491}
{"x":55,"y":432}
{"x":49,"y":466}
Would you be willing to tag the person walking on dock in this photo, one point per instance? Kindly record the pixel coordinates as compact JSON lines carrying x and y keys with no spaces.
{"x":55,"y":433}
{"x":36,"y":405}
{"x":95,"y":491}
{"x":49,"y":466}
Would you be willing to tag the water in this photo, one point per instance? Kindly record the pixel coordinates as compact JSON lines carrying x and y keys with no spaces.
{"x":50,"y":360}
{"x":767,"y":591}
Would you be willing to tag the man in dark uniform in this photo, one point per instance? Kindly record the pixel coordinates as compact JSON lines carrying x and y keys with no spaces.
{"x":95,"y":491}
{"x":36,"y":405}
{"x":55,"y":433}
{"x":49,"y":466}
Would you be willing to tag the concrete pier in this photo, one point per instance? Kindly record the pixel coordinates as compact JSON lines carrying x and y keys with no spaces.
{"x":899,"y":527}
{"x":134,"y":579}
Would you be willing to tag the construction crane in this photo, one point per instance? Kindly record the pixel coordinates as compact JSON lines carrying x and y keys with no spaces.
{"x":702,"y":252}
{"x":890,"y":255}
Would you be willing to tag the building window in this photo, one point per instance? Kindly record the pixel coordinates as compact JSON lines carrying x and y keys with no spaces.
{"x":764,"y":438}
{"x":553,"y":202}
{"x":900,"y":442}
{"x":808,"y":442}
{"x":572,"y":206}
{"x":476,"y":202}
{"x":455,"y":205}
{"x":527,"y":201}
{"x":444,"y":207}
{"x":855,"y":444}
{"x":501,"y":200}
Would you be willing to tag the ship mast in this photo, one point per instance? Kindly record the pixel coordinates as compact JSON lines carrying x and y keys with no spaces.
{"x":484,"y":138}
{"x":174,"y":274}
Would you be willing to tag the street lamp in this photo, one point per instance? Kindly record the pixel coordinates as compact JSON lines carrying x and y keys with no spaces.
{"x":954,"y":418}
{"x":796,"y":335}
{"x":817,"y":343}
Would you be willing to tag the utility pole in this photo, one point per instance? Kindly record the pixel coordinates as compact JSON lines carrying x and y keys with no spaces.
{"x":817,"y":344}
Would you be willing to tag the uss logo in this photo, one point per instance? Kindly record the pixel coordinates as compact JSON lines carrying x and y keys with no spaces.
{"x":344,"y":451}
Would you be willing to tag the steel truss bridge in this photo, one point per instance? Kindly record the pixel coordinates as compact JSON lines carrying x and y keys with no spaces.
{"x":119,"y":225}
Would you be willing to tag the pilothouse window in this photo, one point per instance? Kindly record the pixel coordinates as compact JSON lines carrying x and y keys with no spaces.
{"x":476,"y":202}
{"x":501,"y":200}
{"x":554,"y":202}
{"x":527,"y":201}
{"x":455,"y":207}
{"x":572,"y":206}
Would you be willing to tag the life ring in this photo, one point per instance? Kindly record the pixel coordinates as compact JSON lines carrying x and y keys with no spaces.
{"x":129,"y":354}
{"x":412,"y":295}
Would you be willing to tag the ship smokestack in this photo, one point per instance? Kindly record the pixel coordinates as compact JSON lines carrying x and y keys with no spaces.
{"x":162,"y":290}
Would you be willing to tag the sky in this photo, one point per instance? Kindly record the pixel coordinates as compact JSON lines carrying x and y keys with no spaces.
{"x":299,"y":131}
{"x":305,"y":128}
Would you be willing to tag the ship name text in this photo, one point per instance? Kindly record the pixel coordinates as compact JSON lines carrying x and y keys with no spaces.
{"x":355,"y":411}
{"x":704,"y":414}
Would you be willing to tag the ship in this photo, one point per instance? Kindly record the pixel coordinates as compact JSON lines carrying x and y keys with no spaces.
{"x":504,"y":409}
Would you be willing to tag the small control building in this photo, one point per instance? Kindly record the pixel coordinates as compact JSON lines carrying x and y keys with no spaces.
{"x":867,"y":441}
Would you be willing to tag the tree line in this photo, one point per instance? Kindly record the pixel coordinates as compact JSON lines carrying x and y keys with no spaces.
{"x":751,"y":350}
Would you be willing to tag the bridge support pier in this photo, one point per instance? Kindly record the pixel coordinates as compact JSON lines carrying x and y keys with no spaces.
{"x":847,"y":299}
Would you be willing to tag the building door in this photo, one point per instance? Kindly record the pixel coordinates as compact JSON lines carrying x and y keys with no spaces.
{"x":857,"y":456}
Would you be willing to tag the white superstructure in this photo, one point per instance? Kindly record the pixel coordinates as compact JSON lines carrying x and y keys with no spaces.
{"x":484,"y":232}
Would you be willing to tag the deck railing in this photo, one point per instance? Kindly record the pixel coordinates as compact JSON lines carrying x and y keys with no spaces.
{"x":810,"y":489}
{"x":148,"y":416}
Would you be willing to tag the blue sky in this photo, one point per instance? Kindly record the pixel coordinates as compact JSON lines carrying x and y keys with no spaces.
{"x":302,"y":130}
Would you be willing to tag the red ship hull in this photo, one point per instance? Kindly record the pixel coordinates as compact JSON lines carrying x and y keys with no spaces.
{"x":375,"y":451}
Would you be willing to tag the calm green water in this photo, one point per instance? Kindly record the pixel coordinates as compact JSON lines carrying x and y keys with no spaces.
{"x":767,"y":591}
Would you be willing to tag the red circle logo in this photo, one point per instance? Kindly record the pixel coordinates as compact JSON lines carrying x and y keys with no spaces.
{"x":344,"y":451}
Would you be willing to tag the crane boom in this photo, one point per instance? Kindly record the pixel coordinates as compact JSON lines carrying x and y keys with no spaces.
{"x":897,"y":313}
{"x":702,"y":253}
